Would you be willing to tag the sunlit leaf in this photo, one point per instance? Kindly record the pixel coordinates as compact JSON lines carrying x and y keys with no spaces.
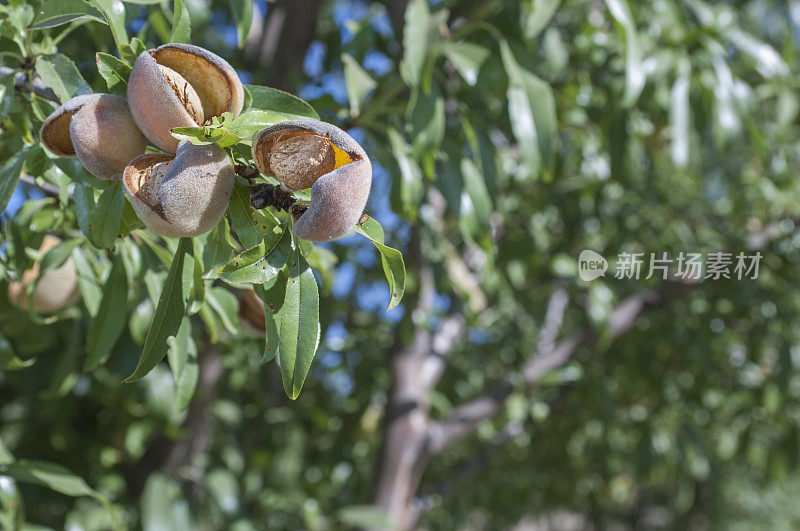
{"x":280,"y":102}
{"x":53,"y":13}
{"x":467,"y":58}
{"x":242,"y":11}
{"x":391,"y":259}
{"x":635,"y":75}
{"x":532,"y":110}
{"x":359,"y":83}
{"x":181,"y":24}
{"x":58,"y":72}
{"x":542,"y":12}
{"x":113,"y":70}
{"x":114,"y":13}
{"x":679,"y":120}
{"x":416,"y":42}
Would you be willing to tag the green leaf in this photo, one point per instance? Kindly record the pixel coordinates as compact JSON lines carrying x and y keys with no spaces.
{"x":105,"y":217}
{"x":242,"y":13}
{"x":56,"y":256}
{"x":426,"y":118}
{"x":416,"y":41}
{"x":53,"y":13}
{"x":200,"y":136}
{"x":129,"y":52}
{"x":109,"y":322}
{"x":635,"y":75}
{"x":543,"y":11}
{"x":41,"y":107}
{"x":182,"y":357}
{"x":411,"y":188}
{"x":58,"y":72}
{"x":72,"y":168}
{"x":9,"y":176}
{"x":280,"y":102}
{"x":299,"y":332}
{"x":365,"y":516}
{"x":169,"y":312}
{"x":475,"y":186}
{"x":226,"y":306}
{"x":679,"y":119}
{"x":250,"y":122}
{"x":115,"y":71}
{"x":91,"y":292}
{"x":261,"y":263}
{"x":216,"y":249}
{"x":8,"y":360}
{"x":532,"y":110}
{"x":163,"y":506}
{"x":250,"y":225}
{"x":50,"y":475}
{"x":467,"y":58}
{"x":181,"y":23}
{"x":114,"y":12}
{"x":273,"y":298}
{"x":359,"y":83}
{"x":391,"y":259}
{"x":7,"y":94}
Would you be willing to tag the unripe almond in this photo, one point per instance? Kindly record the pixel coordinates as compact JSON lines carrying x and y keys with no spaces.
{"x":185,"y":194}
{"x":311,"y":153}
{"x":55,"y":290}
{"x":180,"y":85}
{"x":98,"y":129}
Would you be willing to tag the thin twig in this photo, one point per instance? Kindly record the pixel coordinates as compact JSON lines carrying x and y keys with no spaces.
{"x":21,"y":83}
{"x":45,"y":187}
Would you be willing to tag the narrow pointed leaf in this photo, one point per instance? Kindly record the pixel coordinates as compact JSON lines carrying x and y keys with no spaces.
{"x":299,"y":332}
{"x":635,"y":76}
{"x":181,"y":24}
{"x":110,"y":320}
{"x":182,"y":357}
{"x":9,"y":176}
{"x":359,"y":83}
{"x":169,"y":312}
{"x":261,"y":263}
{"x":52,"y":13}
{"x":59,"y":73}
{"x":105,"y":217}
{"x":391,"y":259}
{"x":115,"y":71}
{"x":467,"y":58}
{"x":273,"y":298}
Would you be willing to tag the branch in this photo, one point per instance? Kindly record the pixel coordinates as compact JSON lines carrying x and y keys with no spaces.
{"x":286,"y":33}
{"x":47,"y":188}
{"x":21,"y":83}
{"x":465,"y":418}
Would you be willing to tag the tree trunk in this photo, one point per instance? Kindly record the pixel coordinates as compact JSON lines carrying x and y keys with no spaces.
{"x":405,"y":436}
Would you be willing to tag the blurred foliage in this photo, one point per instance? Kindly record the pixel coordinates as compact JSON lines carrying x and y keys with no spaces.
{"x":510,"y":137}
